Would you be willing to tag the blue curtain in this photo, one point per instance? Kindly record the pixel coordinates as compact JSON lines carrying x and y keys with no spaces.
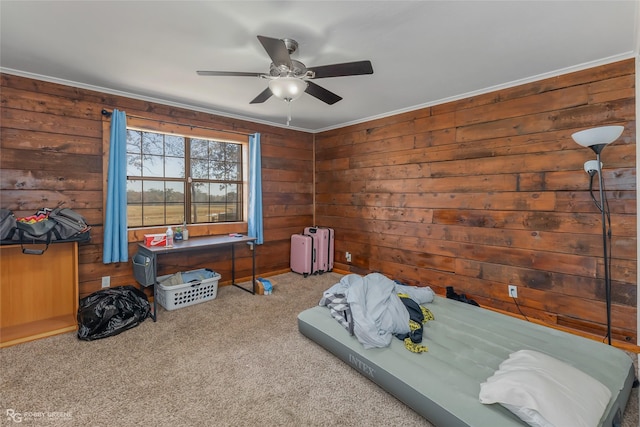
{"x":115,"y":247}
{"x":255,"y":189}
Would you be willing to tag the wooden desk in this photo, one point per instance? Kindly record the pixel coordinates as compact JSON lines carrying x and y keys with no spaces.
{"x":199,"y":243}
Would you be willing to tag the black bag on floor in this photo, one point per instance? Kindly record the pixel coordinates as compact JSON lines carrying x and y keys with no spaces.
{"x":108,"y":312}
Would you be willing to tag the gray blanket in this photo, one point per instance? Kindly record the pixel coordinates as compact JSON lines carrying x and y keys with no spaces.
{"x":376,"y":310}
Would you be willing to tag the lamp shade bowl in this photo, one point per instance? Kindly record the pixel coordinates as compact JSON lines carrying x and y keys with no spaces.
{"x":597,"y":136}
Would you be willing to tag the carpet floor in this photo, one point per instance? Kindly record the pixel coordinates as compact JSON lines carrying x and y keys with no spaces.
{"x":238,"y":360}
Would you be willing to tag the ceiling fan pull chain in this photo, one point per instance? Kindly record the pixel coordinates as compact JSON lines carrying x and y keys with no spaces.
{"x":289,"y":115}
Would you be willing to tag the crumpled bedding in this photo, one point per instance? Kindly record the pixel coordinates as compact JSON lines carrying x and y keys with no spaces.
{"x":376,"y":309}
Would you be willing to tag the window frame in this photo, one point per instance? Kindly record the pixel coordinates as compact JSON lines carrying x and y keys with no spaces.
{"x":190,"y":131}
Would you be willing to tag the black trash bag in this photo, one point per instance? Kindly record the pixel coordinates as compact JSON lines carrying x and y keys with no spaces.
{"x":108,"y":312}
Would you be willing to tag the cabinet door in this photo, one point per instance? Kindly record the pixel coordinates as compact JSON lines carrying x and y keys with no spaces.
{"x":38,"y":293}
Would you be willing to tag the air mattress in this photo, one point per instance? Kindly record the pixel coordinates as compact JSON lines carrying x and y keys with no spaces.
{"x":466,"y":344}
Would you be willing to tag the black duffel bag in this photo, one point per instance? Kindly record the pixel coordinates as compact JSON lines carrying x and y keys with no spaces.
{"x":108,"y":312}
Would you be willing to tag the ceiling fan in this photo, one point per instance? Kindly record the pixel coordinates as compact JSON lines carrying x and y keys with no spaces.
{"x":289,"y":79}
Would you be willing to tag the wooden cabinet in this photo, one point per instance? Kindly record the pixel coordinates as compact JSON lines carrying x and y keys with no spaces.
{"x":38,"y":293}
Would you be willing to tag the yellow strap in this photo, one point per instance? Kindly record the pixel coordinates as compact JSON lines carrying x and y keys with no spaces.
{"x":413,"y":347}
{"x":413,"y":325}
{"x":428,"y":315}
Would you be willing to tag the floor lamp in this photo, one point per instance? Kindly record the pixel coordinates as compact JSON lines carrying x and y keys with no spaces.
{"x":597,"y":139}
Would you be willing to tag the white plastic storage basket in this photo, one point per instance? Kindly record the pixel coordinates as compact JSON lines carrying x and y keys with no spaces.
{"x":172,"y":297}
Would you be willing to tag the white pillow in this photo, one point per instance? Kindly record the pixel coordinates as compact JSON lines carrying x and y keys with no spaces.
{"x":544,"y":391}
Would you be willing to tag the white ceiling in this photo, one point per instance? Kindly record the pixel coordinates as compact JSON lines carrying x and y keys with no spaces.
{"x":423,"y":52}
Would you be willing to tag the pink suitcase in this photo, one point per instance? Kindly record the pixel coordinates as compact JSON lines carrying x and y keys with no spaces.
{"x":302,"y":254}
{"x":324,"y":247}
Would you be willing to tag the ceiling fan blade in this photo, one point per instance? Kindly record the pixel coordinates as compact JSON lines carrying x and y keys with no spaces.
{"x":321,"y":93}
{"x":229,"y":73}
{"x":264,"y":95}
{"x":339,"y":70}
{"x":277,"y":51}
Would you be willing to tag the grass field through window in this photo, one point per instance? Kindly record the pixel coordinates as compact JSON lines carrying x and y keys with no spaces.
{"x":155,"y":215}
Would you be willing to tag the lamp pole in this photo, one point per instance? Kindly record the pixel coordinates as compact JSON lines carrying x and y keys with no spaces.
{"x":605,"y":253}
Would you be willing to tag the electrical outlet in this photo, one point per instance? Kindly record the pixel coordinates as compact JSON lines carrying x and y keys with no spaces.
{"x":513,"y":291}
{"x":106,"y":281}
{"x":348,"y":256}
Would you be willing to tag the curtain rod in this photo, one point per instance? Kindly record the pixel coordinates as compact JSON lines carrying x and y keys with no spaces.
{"x":108,"y":114}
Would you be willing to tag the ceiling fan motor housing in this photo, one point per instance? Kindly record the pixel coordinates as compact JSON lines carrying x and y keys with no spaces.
{"x":298,"y":70}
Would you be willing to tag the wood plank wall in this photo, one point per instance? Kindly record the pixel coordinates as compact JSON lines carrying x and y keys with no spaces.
{"x":51,"y":142}
{"x":475,"y":194}
{"x":490,"y":191}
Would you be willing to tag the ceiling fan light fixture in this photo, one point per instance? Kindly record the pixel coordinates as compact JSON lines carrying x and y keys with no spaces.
{"x":287,"y":88}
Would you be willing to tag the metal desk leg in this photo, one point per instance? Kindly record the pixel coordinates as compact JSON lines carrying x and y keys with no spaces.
{"x":154,"y":259}
{"x":253,"y":268}
{"x":233,"y":265}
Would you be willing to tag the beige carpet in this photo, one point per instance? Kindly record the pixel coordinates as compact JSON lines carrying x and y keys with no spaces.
{"x":238,"y":360}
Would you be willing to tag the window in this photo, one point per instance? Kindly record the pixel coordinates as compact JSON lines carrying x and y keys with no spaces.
{"x":173,"y":179}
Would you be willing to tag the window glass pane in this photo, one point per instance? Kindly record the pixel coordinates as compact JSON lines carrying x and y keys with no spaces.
{"x":200,"y":192}
{"x":199,"y":149}
{"x":152,"y":143}
{"x":152,"y":166}
{"x":174,"y":167}
{"x":134,"y":164}
{"x":233,"y":172}
{"x":134,"y":141}
{"x":232,"y":193}
{"x":216,"y":170}
{"x":216,"y":196}
{"x":233,"y":152}
{"x":175,"y":213}
{"x":134,"y":216}
{"x":216,"y":150}
{"x":233,"y":213}
{"x":153,"y":192}
{"x":134,"y":203}
{"x":174,"y":192}
{"x":199,"y":169}
{"x":154,"y":214}
{"x":218,"y":212}
{"x":200,"y":212}
{"x":174,"y":145}
{"x":217,"y":192}
{"x":134,"y":191}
